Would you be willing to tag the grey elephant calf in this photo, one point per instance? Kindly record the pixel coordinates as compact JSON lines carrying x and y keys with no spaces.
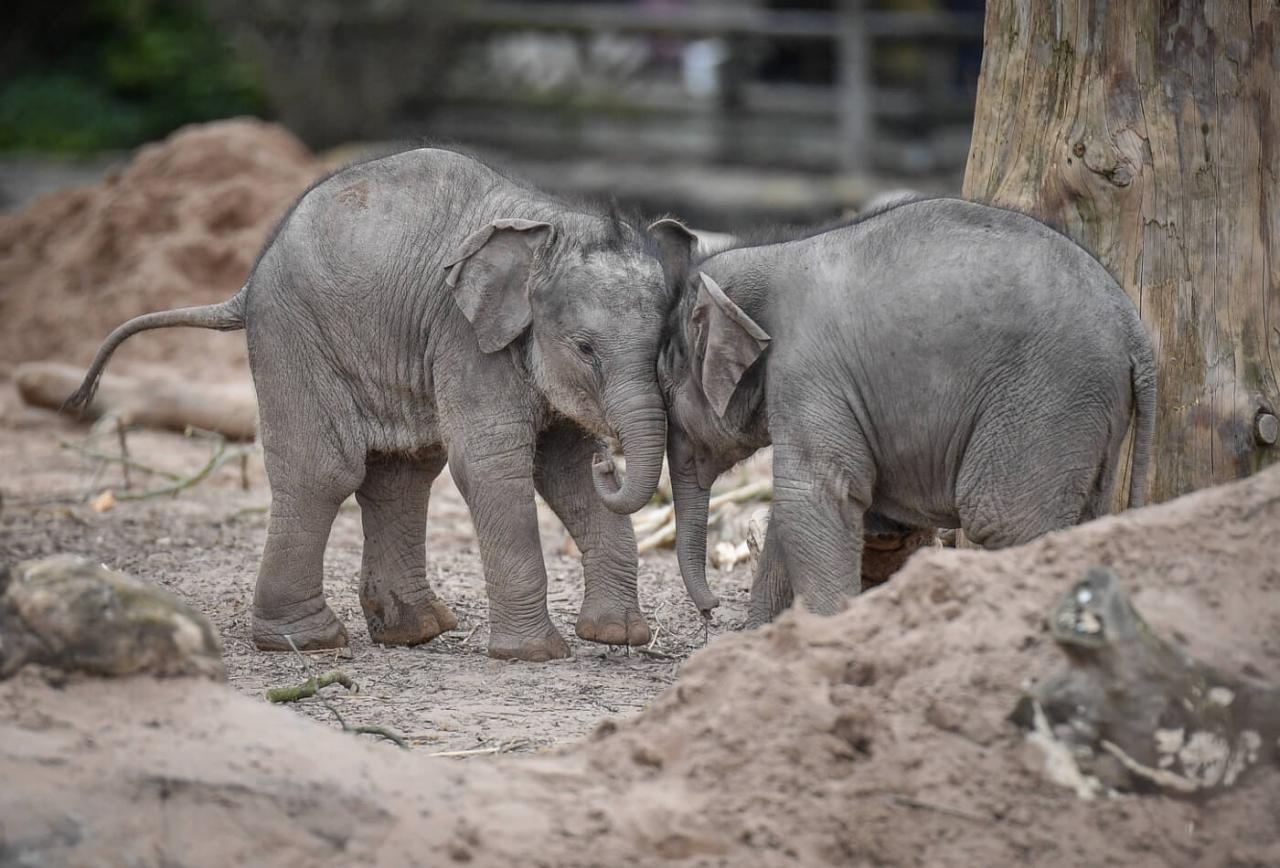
{"x":938,"y":364}
{"x":423,"y":308}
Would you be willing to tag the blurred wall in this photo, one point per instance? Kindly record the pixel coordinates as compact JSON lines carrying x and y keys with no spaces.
{"x":337,"y":70}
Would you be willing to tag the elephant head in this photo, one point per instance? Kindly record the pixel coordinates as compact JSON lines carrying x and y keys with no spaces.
{"x":712,"y":347}
{"x":581,"y":300}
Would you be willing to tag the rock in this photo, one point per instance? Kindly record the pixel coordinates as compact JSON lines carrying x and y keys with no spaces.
{"x":71,"y":614}
{"x":1172,"y":722}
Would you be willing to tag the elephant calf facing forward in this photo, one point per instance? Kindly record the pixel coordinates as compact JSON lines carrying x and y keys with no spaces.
{"x":938,"y":364}
{"x":423,"y":308}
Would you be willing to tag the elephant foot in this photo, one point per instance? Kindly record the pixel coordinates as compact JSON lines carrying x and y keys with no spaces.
{"x":312,"y":630}
{"x":612,"y":624}
{"x":548,"y":644}
{"x":393,"y":621}
{"x":757,"y":616}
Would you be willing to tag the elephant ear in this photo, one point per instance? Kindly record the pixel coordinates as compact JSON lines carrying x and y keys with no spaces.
{"x":676,"y":245}
{"x":489,"y":276}
{"x":728,"y":340}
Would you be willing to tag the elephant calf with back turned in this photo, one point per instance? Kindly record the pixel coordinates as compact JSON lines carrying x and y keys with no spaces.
{"x":940,"y":363}
{"x":423,"y":308}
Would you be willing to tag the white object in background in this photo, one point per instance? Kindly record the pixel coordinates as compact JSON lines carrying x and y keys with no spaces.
{"x":700,"y":66}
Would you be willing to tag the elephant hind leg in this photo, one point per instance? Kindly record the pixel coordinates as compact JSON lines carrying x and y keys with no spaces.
{"x":289,"y":604}
{"x":399,"y":604}
{"x":1026,"y":491}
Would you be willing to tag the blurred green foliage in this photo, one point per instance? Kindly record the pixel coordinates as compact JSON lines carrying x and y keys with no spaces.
{"x":85,"y":75}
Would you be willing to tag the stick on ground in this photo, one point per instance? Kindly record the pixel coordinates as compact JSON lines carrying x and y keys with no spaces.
{"x":310,"y":687}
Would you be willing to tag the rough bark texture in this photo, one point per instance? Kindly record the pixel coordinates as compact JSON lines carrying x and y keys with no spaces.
{"x":1150,"y":133}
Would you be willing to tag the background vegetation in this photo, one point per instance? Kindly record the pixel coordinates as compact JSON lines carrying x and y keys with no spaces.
{"x":84,"y":75}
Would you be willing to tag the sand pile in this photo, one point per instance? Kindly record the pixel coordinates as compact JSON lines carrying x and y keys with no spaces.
{"x":881,"y":736}
{"x":181,"y":225}
{"x":878,"y":737}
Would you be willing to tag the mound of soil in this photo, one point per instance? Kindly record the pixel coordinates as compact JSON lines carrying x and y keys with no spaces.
{"x":181,"y":225}
{"x":877,"y":737}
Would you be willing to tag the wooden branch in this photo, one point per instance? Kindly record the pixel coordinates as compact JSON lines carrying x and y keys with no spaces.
{"x":762,"y":490}
{"x":961,"y":813}
{"x":389,"y":734}
{"x":661,"y":538}
{"x":310,"y":687}
{"x":665,"y":532}
{"x":123,"y":460}
{"x":221,"y":456}
{"x":151,"y":402}
{"x":501,"y":747}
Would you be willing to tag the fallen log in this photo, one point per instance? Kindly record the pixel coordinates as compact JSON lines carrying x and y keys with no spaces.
{"x":152,"y":402}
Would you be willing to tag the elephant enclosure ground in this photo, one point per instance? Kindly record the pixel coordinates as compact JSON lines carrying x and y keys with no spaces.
{"x":878,"y":737}
{"x":205,"y":545}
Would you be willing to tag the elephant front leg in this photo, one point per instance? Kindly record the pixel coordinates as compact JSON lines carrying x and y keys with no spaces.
{"x":610,"y":611}
{"x":821,"y":490}
{"x":495,"y":476}
{"x":289,"y":605}
{"x":771,"y":590}
{"x":399,"y":604}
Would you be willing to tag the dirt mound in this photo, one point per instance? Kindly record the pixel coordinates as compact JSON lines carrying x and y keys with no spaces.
{"x":181,"y":225}
{"x":877,"y":737}
{"x":881,"y":736}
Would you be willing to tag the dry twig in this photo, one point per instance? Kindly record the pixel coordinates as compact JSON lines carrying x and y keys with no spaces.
{"x":909,"y":802}
{"x":500,"y":747}
{"x":339,"y":678}
{"x":660,"y":525}
{"x":311,"y":687}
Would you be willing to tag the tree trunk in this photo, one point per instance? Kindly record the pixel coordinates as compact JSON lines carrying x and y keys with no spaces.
{"x":1149,"y":132}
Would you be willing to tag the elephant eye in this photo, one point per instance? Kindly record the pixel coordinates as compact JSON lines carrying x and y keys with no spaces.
{"x":586,"y":349}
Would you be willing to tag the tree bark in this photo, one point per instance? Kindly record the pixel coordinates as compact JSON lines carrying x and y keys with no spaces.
{"x":1149,"y":132}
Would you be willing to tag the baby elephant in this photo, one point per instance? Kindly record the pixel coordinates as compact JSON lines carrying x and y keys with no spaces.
{"x":940,"y":363}
{"x":423,"y":308}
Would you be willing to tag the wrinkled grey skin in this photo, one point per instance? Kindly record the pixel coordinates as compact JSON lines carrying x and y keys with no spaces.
{"x":422,"y":309}
{"x":939,"y":364}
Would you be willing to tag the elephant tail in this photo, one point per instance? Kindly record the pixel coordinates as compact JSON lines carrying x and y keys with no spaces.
{"x":226,"y":316}
{"x":1142,"y":374}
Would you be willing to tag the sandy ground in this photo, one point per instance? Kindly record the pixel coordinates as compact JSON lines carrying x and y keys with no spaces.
{"x":205,"y":544}
{"x":877,"y":737}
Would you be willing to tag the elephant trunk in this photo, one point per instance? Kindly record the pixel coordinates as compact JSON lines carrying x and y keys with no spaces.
{"x":640,"y":419}
{"x":691,"y":502}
